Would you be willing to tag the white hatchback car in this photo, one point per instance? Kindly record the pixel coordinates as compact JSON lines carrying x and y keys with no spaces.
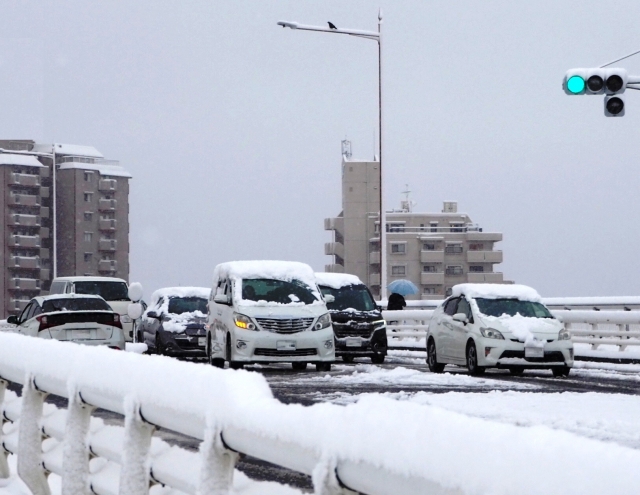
{"x":268,"y":312}
{"x":495,"y":325}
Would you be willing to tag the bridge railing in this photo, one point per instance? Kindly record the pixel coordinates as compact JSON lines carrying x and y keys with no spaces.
{"x":407,"y":329}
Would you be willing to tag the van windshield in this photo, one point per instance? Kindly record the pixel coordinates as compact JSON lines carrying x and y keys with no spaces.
{"x":180,"y":305}
{"x":110,"y":291}
{"x":277,"y":291}
{"x":350,"y":297}
{"x":512,"y":307}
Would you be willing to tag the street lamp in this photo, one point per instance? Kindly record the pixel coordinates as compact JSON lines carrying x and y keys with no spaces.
{"x":376,"y":36}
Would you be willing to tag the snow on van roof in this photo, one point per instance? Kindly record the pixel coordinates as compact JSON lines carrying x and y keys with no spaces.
{"x":276,"y":270}
{"x":497,"y":291}
{"x":337,"y":280}
{"x":180,"y":292}
{"x":88,"y":278}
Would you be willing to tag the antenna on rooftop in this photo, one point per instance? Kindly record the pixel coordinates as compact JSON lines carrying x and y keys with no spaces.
{"x":406,"y":204}
{"x":346,"y":148}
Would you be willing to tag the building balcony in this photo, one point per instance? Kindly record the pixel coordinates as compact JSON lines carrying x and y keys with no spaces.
{"x":24,"y":241}
{"x":374,"y":279}
{"x":23,"y":200}
{"x":484,"y":236}
{"x":107,"y":204}
{"x":24,"y":180}
{"x":23,"y":220}
{"x":107,"y":266}
{"x":27,"y":262}
{"x":431,"y":278}
{"x":489,"y":278}
{"x":44,"y":253}
{"x":44,"y":274}
{"x":334,"y":268}
{"x":17,"y":305}
{"x":334,"y":248}
{"x":108,"y":245}
{"x":108,"y":224}
{"x":484,"y":256}
{"x":108,"y":185}
{"x":374,"y":258}
{"x":432,"y":256}
{"x":24,"y":284}
{"x":336,"y":223}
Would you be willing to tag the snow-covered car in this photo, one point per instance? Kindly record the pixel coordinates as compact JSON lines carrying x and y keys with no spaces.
{"x":174,"y":322}
{"x":268,"y":312}
{"x":358,"y":326}
{"x":494,"y":325}
{"x":111,"y":289}
{"x":84,"y":319}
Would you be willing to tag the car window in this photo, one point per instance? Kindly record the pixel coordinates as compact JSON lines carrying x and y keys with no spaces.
{"x":512,"y":307}
{"x":180,"y":305}
{"x":450,"y":306}
{"x":23,"y":315}
{"x":355,"y":296}
{"x":57,"y":288}
{"x":75,"y":304}
{"x":109,"y":291}
{"x":37,"y":310}
{"x":463,"y":307}
{"x":29,"y":313}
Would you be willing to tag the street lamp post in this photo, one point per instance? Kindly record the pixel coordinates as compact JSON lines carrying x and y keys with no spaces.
{"x":376,"y":36}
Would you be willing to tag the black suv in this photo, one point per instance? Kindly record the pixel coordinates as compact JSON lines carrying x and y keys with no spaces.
{"x":358,"y":326}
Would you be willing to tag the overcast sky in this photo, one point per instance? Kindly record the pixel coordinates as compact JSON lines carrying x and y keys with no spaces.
{"x":231,"y":125}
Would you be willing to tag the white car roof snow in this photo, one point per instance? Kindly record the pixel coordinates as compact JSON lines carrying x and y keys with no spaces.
{"x":497,"y":291}
{"x":88,"y":279}
{"x":337,"y":280}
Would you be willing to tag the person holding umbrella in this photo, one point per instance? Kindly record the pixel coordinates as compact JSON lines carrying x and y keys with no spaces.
{"x":396,"y":302}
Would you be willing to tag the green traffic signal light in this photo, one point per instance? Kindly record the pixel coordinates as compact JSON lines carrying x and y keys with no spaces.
{"x":575,"y":84}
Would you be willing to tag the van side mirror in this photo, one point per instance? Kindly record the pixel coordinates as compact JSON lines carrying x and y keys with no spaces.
{"x":221,"y":299}
{"x":329,"y":298}
{"x":13,"y":319}
{"x":461,"y":317}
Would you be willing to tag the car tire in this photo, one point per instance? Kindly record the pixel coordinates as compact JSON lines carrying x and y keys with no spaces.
{"x":159,"y":347}
{"x":432,"y":358}
{"x":516,"y":371}
{"x":472,"y":360}
{"x":299,"y":366}
{"x":348,"y":359}
{"x":561,"y":371}
{"x":323,"y":366}
{"x":215,"y":362}
{"x":234,"y":365}
{"x":377,"y":359}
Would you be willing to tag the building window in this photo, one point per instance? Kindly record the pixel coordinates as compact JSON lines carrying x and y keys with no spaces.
{"x":399,"y":248}
{"x":398,"y":271}
{"x":428,"y":290}
{"x":88,"y":216}
{"x":88,"y":236}
{"x":421,"y":226}
{"x":433,"y":226}
{"x":87,"y":257}
{"x":88,"y":176}
{"x":453,"y":249}
{"x":87,"y":197}
{"x":476,"y":268}
{"x":454,"y":270}
{"x":427,"y":246}
{"x":429,"y":268}
{"x":456,"y":227}
{"x":476,"y":246}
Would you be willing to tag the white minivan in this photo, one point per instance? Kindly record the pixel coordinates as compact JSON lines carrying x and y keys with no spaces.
{"x":111,"y":289}
{"x":268,"y":312}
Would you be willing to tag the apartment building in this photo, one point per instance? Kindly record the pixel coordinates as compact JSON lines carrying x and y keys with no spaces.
{"x":92,"y":204}
{"x":434,"y":250}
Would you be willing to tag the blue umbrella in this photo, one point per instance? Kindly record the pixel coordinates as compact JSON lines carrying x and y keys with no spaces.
{"x":403,"y":287}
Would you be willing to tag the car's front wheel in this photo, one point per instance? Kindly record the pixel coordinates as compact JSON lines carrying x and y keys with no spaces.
{"x":323,"y":366}
{"x":561,"y":371}
{"x":216,"y":362}
{"x":472,"y":360}
{"x":299,"y":366}
{"x":348,"y":359}
{"x":377,"y":359}
{"x":432,"y":358}
{"x":234,"y":365}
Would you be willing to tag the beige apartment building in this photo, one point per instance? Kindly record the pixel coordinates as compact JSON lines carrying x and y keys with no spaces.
{"x":92,"y":217}
{"x":434,"y":250}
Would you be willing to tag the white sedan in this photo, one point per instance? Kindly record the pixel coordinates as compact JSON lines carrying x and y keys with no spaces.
{"x":81,"y":318}
{"x":493,"y":325}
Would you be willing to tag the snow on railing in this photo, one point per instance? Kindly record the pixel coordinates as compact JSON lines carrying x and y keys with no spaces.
{"x":407,"y":329}
{"x":424,"y":450}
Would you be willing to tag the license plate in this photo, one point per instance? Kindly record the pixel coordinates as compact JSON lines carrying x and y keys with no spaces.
{"x":534,"y":352}
{"x":202,"y":341}
{"x":286,"y":345}
{"x":353,"y":342}
{"x":81,"y":334}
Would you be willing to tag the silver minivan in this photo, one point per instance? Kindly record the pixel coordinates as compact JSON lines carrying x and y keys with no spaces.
{"x":268,"y":312}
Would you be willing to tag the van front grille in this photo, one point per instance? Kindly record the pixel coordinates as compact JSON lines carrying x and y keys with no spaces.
{"x":284,"y":325}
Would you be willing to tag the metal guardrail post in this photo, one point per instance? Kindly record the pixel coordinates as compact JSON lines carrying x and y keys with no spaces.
{"x":325,"y":481}
{"x":4,"y":465}
{"x":75,"y":460}
{"x":217,"y":464}
{"x":30,"y":468}
{"x":134,"y":474}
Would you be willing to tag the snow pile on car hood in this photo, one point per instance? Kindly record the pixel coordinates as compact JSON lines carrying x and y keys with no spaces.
{"x":337,"y":280}
{"x":532,"y":331}
{"x":497,"y":291}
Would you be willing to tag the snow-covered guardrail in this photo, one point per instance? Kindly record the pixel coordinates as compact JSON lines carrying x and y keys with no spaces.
{"x":407,"y":329}
{"x":424,"y":450}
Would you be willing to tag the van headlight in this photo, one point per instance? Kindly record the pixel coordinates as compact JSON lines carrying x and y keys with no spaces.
{"x":564,"y":334}
{"x":378,"y":324}
{"x":323,"y":322}
{"x":243,"y":321}
{"x":491,"y":333}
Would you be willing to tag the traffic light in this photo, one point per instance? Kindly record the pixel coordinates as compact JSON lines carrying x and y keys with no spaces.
{"x":597,"y":81}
